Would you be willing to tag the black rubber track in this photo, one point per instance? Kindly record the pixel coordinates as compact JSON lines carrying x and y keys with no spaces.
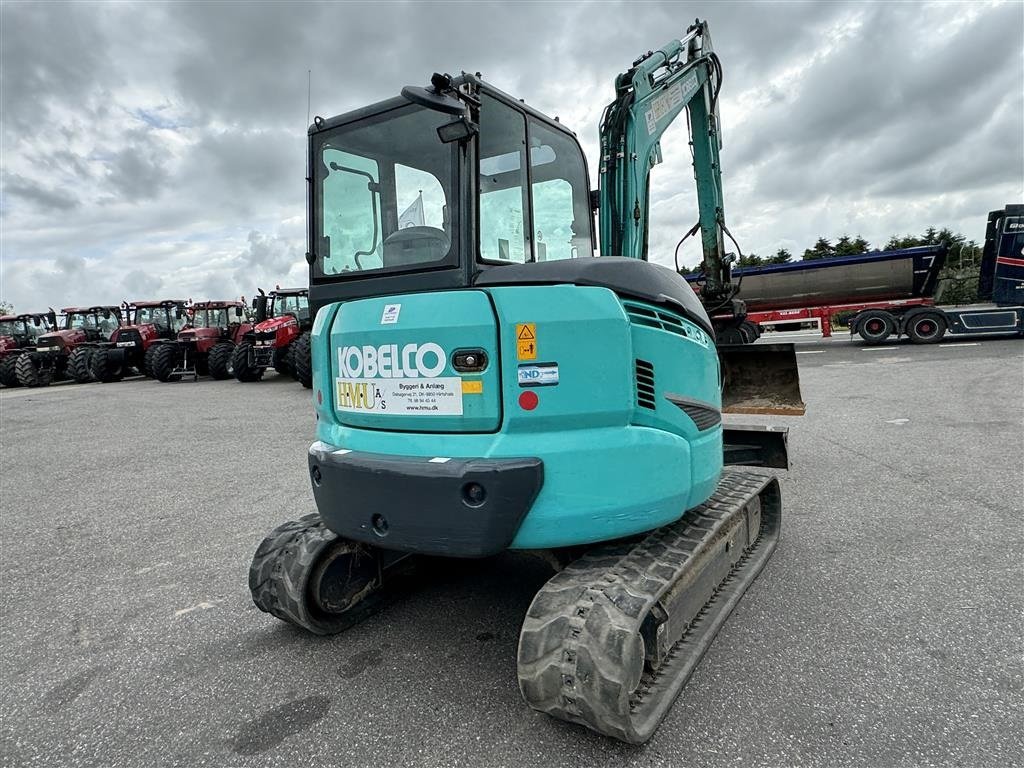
{"x":581,"y":654}
{"x":103,"y":368}
{"x":241,"y":363}
{"x":302,"y":360}
{"x":29,"y":373}
{"x":8,"y":375}
{"x":79,"y":362}
{"x":279,"y":576}
{"x":219,"y":360}
{"x":163,"y":361}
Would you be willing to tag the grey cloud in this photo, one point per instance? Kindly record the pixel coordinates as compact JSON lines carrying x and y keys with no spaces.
{"x":48,"y":199}
{"x":142,"y":285}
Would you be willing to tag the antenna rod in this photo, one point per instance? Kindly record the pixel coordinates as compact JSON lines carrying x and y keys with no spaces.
{"x":309,"y":94}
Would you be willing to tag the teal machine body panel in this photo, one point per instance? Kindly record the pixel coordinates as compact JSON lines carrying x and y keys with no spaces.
{"x":618,"y":458}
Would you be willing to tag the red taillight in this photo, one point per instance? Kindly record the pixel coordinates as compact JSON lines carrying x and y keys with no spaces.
{"x":528,"y":400}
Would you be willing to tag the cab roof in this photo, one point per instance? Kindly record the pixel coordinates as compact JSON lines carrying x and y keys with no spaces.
{"x":217,"y":304}
{"x":101,"y":308}
{"x":160,"y":303}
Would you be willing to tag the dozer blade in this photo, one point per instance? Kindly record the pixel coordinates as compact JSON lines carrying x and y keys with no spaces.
{"x":760,"y":378}
{"x":610,"y":641}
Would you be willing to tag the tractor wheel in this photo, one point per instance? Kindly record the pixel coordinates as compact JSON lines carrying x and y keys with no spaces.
{"x":925,"y":328}
{"x":163,"y":361}
{"x":283,"y":360}
{"x":30,"y":373}
{"x":8,"y":376}
{"x":104,"y":368}
{"x":730,"y":336}
{"x":875,"y":326}
{"x":243,"y":363}
{"x":302,"y":361}
{"x":219,"y":360}
{"x":79,"y":365}
{"x":147,"y":362}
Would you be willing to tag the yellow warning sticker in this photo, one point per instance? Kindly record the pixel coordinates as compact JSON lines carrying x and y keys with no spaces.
{"x":526,"y":341}
{"x":472,"y":387}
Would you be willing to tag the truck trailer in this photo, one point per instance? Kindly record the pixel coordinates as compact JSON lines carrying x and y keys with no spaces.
{"x":893,"y":292}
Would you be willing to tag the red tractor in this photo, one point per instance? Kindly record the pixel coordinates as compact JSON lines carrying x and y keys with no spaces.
{"x":205,"y":348}
{"x":148,"y":322}
{"x":67,"y":352}
{"x":282,"y":317}
{"x":17,"y":332}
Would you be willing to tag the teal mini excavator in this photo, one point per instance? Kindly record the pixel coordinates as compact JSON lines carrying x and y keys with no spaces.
{"x":483,"y":382}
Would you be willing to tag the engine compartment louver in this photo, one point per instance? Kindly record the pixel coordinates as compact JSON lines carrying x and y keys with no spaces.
{"x":655,"y":318}
{"x":704,"y":415}
{"x":645,"y":385}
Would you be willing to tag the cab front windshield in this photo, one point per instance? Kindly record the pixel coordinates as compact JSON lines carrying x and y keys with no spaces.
{"x":162,"y":317}
{"x":290,"y":305}
{"x":213,"y":318}
{"x":383,"y":194}
{"x":12,"y":328}
{"x":92,"y":321}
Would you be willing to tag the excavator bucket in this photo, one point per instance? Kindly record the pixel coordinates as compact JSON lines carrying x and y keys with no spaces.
{"x":760,"y":379}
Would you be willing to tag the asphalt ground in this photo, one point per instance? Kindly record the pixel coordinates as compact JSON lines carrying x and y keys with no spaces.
{"x":885,"y":631}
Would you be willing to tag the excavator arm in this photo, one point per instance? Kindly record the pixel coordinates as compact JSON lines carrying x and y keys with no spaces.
{"x":684,"y":75}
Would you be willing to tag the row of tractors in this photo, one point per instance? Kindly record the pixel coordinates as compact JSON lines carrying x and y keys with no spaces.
{"x":167,"y":340}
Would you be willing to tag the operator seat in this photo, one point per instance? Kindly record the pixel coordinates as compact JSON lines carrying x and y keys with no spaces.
{"x":415,"y":245}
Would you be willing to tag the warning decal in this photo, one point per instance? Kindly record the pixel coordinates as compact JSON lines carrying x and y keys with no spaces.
{"x":526,"y":341}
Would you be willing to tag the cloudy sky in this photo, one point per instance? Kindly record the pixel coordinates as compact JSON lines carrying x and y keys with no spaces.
{"x":156,"y":150}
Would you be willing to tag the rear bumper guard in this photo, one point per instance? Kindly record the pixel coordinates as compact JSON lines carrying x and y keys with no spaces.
{"x":436,"y":506}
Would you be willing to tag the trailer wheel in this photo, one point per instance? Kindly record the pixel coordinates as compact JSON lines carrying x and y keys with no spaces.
{"x":30,"y":373}
{"x":8,"y":376}
{"x":219,"y":363}
{"x":750,"y":331}
{"x":79,"y":364}
{"x":162,"y":361}
{"x":302,"y":361}
{"x":875,"y":326}
{"x":925,"y":327}
{"x":104,"y":368}
{"x":243,"y":363}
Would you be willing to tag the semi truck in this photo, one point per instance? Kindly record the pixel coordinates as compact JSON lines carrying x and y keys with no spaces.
{"x":892,"y":293}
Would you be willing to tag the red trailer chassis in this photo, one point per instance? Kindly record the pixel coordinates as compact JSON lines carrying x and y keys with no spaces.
{"x":824,"y":314}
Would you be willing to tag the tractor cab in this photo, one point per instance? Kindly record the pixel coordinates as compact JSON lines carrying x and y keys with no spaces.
{"x":22,"y":330}
{"x":92,"y":324}
{"x":166,"y":317}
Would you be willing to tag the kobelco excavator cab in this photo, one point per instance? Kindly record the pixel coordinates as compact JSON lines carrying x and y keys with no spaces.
{"x":482,"y":382}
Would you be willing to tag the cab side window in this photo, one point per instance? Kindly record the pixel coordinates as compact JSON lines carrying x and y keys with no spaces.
{"x":504,"y":234}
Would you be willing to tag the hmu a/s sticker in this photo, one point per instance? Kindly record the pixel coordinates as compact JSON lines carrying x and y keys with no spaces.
{"x":397,"y":379}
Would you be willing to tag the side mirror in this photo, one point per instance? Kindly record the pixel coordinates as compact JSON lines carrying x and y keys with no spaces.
{"x":106,"y":314}
{"x":238,"y":311}
{"x":178,"y":314}
{"x":35,"y":322}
